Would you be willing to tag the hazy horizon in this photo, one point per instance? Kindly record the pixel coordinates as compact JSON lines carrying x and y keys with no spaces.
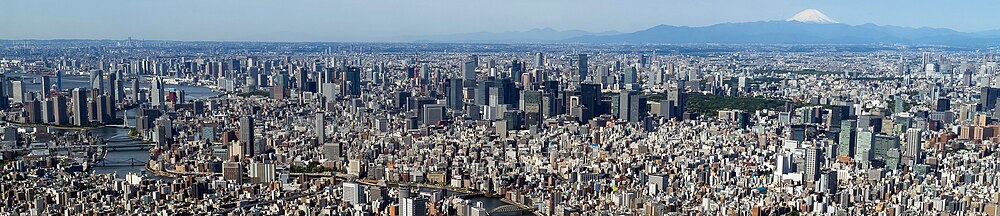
{"x":385,"y":20}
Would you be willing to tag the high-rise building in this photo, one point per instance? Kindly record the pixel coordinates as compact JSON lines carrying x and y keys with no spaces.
{"x":432,"y":114}
{"x":631,"y":106}
{"x":539,"y":60}
{"x":413,"y":206}
{"x":262,"y":173}
{"x":97,"y":80}
{"x":352,"y":77}
{"x":848,"y":132}
{"x":354,"y":193}
{"x":232,"y":171}
{"x":469,"y":73}
{"x":813,"y":162}
{"x":156,"y":94}
{"x":913,"y":140}
{"x":583,"y":66}
{"x":531,"y":104}
{"x":60,"y":110}
{"x":46,"y":87}
{"x":590,"y":97}
{"x":79,"y":100}
{"x":677,"y":100}
{"x":247,"y":136}
{"x":17,"y":89}
{"x":320,"y":127}
{"x":455,"y":97}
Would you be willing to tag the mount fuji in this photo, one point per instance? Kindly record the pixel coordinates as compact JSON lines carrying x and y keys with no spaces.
{"x":811,"y":16}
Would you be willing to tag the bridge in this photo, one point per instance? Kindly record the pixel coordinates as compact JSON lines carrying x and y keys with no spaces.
{"x":120,"y":163}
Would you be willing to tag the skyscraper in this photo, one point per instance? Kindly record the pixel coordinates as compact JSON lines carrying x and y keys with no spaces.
{"x":156,"y":92}
{"x":320,"y":127}
{"x":46,"y":86}
{"x":247,"y":135}
{"x":583,"y":66}
{"x":353,"y":78}
{"x":913,"y":139}
{"x":97,"y":80}
{"x":814,"y":159}
{"x":17,"y":89}
{"x":79,"y":100}
{"x":469,"y":73}
{"x":413,"y":206}
{"x":677,"y":99}
{"x":848,"y":132}
{"x":539,"y":60}
{"x":590,"y":98}
{"x":455,"y":98}
{"x":4,"y":98}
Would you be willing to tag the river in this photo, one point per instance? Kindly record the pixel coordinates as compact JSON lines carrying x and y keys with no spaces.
{"x":72,"y":81}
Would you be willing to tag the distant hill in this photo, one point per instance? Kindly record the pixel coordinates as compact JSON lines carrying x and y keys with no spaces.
{"x":534,"y":35}
{"x":794,"y":32}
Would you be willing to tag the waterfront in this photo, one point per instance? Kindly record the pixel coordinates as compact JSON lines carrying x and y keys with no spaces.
{"x":75,"y":81}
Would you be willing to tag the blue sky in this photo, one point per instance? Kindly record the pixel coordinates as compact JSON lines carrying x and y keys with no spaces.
{"x":373,"y":20}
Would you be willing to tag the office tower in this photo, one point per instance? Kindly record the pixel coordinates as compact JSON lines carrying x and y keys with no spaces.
{"x":4,"y":98}
{"x":553,"y":100}
{"x":590,"y":98}
{"x":988,"y":98}
{"x":331,"y":151}
{"x":848,"y":132}
{"x":163,"y":131}
{"x":117,"y":92}
{"x":413,"y":206}
{"x":60,"y":110}
{"x":59,"y":74}
{"x":352,"y":77}
{"x":46,"y":86}
{"x":516,"y":69}
{"x":232,"y":171}
{"x":872,"y":123}
{"x":17,"y":89}
{"x":863,"y":153}
{"x":97,"y":80}
{"x":483,"y":93}
{"x":531,"y":103}
{"x":469,"y":73}
{"x":48,"y":113}
{"x":354,"y":193}
{"x":280,"y":86}
{"x":156,"y":95}
{"x":539,"y":60}
{"x":102,"y":110}
{"x":677,"y":100}
{"x":913,"y":141}
{"x":247,"y":136}
{"x":432,"y":114}
{"x":302,"y":79}
{"x":455,"y":97}
{"x":631,"y":106}
{"x":79,"y":100}
{"x":506,"y":92}
{"x":828,"y":182}
{"x":813,"y":162}
{"x":135,"y":91}
{"x":262,"y":173}
{"x":320,"y":127}
{"x":630,"y":76}
{"x":33,"y":108}
{"x":582,"y":67}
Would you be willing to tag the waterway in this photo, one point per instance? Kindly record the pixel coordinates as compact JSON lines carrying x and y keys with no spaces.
{"x":72,"y":81}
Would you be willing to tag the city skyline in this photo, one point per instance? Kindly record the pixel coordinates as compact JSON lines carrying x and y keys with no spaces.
{"x":378,"y":21}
